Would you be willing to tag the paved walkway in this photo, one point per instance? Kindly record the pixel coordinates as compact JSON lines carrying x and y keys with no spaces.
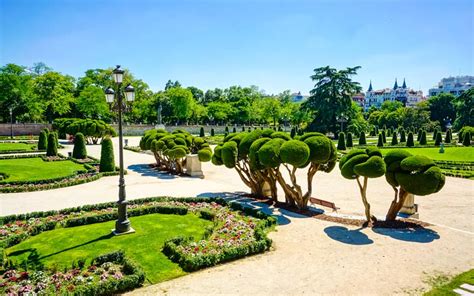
{"x":310,"y":256}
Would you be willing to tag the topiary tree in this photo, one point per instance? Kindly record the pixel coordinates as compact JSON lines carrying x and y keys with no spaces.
{"x":293,"y":133}
{"x":43,"y":140}
{"x":234,"y":130}
{"x":107,"y":162}
{"x":312,"y":150}
{"x":226,"y":129}
{"x":438,"y":139}
{"x":243,"y":128}
{"x":423,"y":138}
{"x":212,"y":132}
{"x":435,"y":132}
{"x":341,"y":143}
{"x":201,"y":132}
{"x":448,"y":138}
{"x":403,"y":138}
{"x":362,"y":139}
{"x":52,"y":149}
{"x":410,"y":142}
{"x":394,"y":139}
{"x":380,"y":141}
{"x":384,"y":137}
{"x":466,"y":139}
{"x":79,"y":151}
{"x":366,"y":163}
{"x":349,"y":140}
{"x":407,"y":174}
{"x":418,"y":137}
{"x":92,"y":129}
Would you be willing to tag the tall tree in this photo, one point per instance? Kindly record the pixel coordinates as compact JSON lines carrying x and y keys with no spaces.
{"x":331,"y":97}
{"x":15,"y":93}
{"x":464,"y":105}
{"x":441,"y":108}
{"x":171,"y":84}
{"x":91,"y":103}
{"x":182,"y":101}
{"x":197,"y":93}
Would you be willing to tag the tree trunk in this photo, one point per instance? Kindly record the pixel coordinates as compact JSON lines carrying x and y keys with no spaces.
{"x":363,"y":194}
{"x":396,"y":204}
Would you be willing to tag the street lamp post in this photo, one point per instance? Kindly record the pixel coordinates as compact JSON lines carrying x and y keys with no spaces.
{"x":11,"y":122}
{"x":341,"y":119}
{"x":122,"y":225}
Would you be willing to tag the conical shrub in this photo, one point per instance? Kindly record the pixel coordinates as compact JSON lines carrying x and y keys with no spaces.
{"x":201,"y":132}
{"x":52,"y":149}
{"x":403,"y":138}
{"x":107,"y":162}
{"x":212,"y":132}
{"x":362,"y":139}
{"x":438,"y":139}
{"x":410,"y":142}
{"x":418,"y":137}
{"x":380,"y":141}
{"x":349,"y":140}
{"x":435,"y":132}
{"x":423,"y":138}
{"x":384,"y":137}
{"x":79,"y":151}
{"x":448,"y":137}
{"x":394,"y":139}
{"x":43,"y":140}
{"x":341,"y":143}
{"x":467,"y":139}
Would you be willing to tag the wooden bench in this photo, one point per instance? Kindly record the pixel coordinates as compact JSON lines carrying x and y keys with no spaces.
{"x":324,"y":203}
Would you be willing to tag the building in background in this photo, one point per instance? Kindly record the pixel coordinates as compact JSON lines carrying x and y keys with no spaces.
{"x":298,"y":97}
{"x":453,"y":85}
{"x":407,"y":96}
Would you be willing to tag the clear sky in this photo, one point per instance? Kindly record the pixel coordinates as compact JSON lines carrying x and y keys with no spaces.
{"x":272,"y":44}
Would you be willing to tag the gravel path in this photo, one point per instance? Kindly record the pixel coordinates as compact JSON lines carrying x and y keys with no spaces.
{"x":309,"y":256}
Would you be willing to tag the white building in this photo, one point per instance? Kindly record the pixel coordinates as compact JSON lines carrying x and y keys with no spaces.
{"x":453,"y":85}
{"x":407,"y":96}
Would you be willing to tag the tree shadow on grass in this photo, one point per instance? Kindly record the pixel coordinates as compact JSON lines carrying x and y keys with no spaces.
{"x":147,"y":171}
{"x":348,"y":236}
{"x":416,"y":234}
{"x":106,"y":236}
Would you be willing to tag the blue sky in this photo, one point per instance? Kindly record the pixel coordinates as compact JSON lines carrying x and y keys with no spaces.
{"x":272,"y":44}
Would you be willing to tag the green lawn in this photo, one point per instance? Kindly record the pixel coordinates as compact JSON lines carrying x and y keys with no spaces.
{"x":61,"y":247}
{"x":33,"y":169}
{"x":450,"y":153}
{"x":447,"y":288}
{"x":16,"y":146}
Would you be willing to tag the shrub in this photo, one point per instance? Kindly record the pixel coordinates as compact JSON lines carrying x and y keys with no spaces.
{"x":294,"y":152}
{"x":403,"y":138}
{"x":448,"y":137}
{"x":341,"y":143}
{"x":293,"y":133}
{"x":438,"y":139}
{"x":79,"y":151}
{"x":52,"y":149}
{"x":367,"y":163}
{"x":204,"y":155}
{"x":467,"y":139}
{"x":107,"y":162}
{"x":410,"y":142}
{"x":435,"y":132}
{"x":43,"y":140}
{"x":464,"y":130}
{"x":92,"y":129}
{"x":410,"y":174}
{"x":201,"y":132}
{"x":380,"y":141}
{"x":418,"y":137}
{"x":384,"y":137}
{"x":234,"y":130}
{"x":423,"y":138}
{"x":362,"y":140}
{"x":212,"y":132}
{"x":226,"y":129}
{"x":349,"y":140}
{"x":394,"y":139}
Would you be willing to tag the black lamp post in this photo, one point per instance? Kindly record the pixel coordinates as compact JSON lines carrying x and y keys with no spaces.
{"x":122,"y":225}
{"x":341,"y":119}
{"x":11,"y":122}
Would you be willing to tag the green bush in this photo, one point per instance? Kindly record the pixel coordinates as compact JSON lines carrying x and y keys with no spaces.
{"x":384,"y":137}
{"x":201,"y":132}
{"x":52,"y":149}
{"x":293,"y":133}
{"x":410,"y":142}
{"x":234,"y":130}
{"x":403,"y":138}
{"x":226,"y":129}
{"x":394,"y":139}
{"x":349,"y":140}
{"x":269,"y":153}
{"x":92,"y":129}
{"x":204,"y":155}
{"x":418,"y":137}
{"x":435,"y":132}
{"x":438,"y":139}
{"x":107,"y":161}
{"x":79,"y":151}
{"x":212,"y":132}
{"x":423,"y":138}
{"x":464,"y":130}
{"x":294,"y":152}
{"x":43,"y":140}
{"x":362,"y":139}
{"x":449,"y":136}
{"x":229,"y":154}
{"x":380,"y":141}
{"x":467,"y":139}
{"x":341,"y":143}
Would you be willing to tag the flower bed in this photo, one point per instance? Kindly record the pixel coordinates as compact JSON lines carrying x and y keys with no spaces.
{"x":108,"y":274}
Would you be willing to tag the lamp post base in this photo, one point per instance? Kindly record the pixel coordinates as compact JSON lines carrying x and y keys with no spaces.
{"x":123,"y":227}
{"x":130,"y":230}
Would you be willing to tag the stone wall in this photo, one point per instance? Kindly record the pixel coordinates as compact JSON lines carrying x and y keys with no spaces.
{"x":23,"y":129}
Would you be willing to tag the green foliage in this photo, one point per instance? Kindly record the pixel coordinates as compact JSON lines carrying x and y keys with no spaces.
{"x":402,"y":136}
{"x":466,"y":139}
{"x":362,"y":139}
{"x":349,"y":140}
{"x":449,"y":136}
{"x":212,"y":132}
{"x":435,"y":132}
{"x":269,"y":153}
{"x":79,"y":151}
{"x":229,"y":154}
{"x":92,"y":129}
{"x":43,"y":140}
{"x":201,"y":132}
{"x":380,"y":141}
{"x":384,"y":137}
{"x":341,"y":143}
{"x":410,"y":142}
{"x":294,"y":152}
{"x":281,"y":135}
{"x":52,"y":149}
{"x":418,"y":137}
{"x":107,"y":161}
{"x":394,"y":139}
{"x":293,"y":132}
{"x":423,"y":138}
{"x":438,"y":139}
{"x":362,"y":162}
{"x":204,"y":155}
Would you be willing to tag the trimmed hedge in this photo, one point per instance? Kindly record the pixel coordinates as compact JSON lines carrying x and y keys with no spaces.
{"x":341,"y":143}
{"x":43,"y":140}
{"x":79,"y":151}
{"x":107,"y":162}
{"x":362,"y":139}
{"x":52,"y":149}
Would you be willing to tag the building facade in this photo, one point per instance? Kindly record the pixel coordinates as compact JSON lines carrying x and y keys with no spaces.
{"x":407,"y":96}
{"x":453,"y":85}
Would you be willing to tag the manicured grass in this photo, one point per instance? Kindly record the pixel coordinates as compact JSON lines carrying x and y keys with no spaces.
{"x":16,"y":146}
{"x":61,"y":247}
{"x":447,"y":288}
{"x":450,"y":153}
{"x":33,"y":169}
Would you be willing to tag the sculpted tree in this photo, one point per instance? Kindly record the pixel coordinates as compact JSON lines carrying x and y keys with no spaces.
{"x":407,"y":174}
{"x":366,"y":163}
